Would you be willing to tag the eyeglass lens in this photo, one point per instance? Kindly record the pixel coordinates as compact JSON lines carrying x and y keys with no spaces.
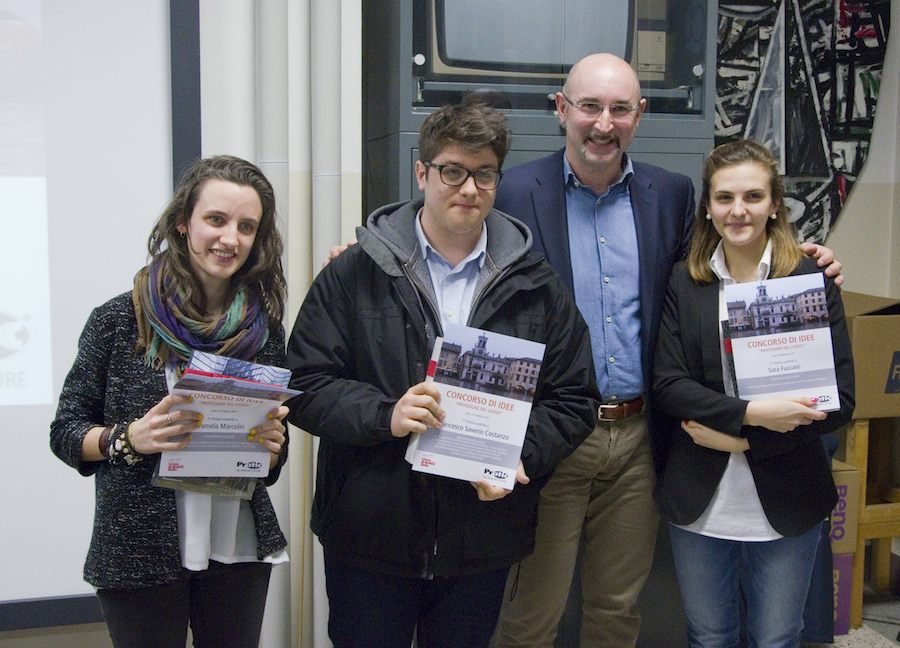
{"x":455,"y":176}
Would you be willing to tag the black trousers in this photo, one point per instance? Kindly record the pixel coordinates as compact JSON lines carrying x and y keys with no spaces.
{"x":223,"y":604}
{"x":369,"y":610}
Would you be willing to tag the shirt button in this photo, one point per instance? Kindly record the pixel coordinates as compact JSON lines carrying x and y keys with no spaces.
{"x":608,"y":319}
{"x":612,"y":359}
{"x":605,"y":279}
{"x":603,"y":240}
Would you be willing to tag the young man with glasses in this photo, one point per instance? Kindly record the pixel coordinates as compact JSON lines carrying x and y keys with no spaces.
{"x":613,"y":228}
{"x":408,"y":552}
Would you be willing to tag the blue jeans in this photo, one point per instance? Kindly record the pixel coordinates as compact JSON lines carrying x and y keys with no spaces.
{"x":773,"y":578}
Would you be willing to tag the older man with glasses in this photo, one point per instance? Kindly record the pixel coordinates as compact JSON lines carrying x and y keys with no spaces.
{"x":612,"y":228}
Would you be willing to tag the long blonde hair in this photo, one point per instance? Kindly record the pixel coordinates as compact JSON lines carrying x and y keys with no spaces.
{"x":786,"y":253}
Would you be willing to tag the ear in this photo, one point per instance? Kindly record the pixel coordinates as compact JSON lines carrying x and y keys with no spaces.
{"x":181,"y":228}
{"x":560,"y":108}
{"x":421,"y":170}
{"x":641,"y":107}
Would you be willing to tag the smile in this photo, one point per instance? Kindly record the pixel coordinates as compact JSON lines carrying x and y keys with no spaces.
{"x":602,"y":142}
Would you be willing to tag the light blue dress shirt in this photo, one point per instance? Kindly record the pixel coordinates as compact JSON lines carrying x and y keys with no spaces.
{"x":454,"y":287}
{"x":605,"y":270}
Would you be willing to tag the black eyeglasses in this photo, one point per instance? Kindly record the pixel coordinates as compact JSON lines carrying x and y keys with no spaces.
{"x":455,"y":176}
{"x":617,"y":111}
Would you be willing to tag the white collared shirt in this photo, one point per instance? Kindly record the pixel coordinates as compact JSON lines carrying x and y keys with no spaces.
{"x":454,"y":286}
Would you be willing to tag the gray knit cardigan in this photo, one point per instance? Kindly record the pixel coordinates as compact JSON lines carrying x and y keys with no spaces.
{"x":135,"y":536}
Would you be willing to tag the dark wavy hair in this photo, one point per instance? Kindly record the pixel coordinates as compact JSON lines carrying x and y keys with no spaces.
{"x":261,"y":273}
{"x":786,"y":253}
{"x":472,"y":125}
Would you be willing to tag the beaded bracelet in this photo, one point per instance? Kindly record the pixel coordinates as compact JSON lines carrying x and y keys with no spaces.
{"x":121,"y":451}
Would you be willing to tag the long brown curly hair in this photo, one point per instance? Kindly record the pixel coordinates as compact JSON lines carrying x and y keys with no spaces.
{"x":261,"y":274}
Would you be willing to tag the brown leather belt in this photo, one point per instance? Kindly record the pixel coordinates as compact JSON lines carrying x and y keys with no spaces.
{"x":618,"y":411}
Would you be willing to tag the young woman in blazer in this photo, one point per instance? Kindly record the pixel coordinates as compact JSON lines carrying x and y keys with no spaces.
{"x":747,"y":484}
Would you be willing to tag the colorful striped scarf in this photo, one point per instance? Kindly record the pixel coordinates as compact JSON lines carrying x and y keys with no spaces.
{"x":169,"y":324}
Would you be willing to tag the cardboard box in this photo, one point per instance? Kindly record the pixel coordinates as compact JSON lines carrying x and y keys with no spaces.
{"x":845,"y":516}
{"x":842,"y":574}
{"x":874,"y":324}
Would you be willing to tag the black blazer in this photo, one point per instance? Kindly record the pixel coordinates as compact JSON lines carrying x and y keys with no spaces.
{"x":663,"y":206}
{"x":792,"y":471}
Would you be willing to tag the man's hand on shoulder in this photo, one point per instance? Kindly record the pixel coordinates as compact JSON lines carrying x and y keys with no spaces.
{"x":825,"y":259}
{"x":337,"y":250}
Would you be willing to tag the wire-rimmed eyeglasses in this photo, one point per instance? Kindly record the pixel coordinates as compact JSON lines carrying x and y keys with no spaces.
{"x":454,"y":175}
{"x":617,"y":111}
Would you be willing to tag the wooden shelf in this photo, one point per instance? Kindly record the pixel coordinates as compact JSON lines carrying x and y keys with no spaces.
{"x":879,"y":521}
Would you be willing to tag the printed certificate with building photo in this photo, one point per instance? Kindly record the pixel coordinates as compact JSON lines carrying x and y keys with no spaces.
{"x":233,"y":396}
{"x":780,"y":340}
{"x":487,"y":382}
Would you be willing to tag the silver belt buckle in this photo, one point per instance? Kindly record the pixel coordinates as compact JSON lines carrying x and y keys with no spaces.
{"x":608,"y":407}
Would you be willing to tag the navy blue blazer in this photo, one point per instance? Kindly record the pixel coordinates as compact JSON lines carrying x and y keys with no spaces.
{"x":663,"y":206}
{"x":792,"y":471}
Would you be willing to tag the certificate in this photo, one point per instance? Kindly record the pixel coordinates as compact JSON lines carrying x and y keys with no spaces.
{"x":780,"y":340}
{"x":487,"y":382}
{"x":231,"y":406}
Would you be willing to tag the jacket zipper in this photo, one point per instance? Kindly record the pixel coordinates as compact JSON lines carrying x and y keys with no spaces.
{"x":428,"y":568}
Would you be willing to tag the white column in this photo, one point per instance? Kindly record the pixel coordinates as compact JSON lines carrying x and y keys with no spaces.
{"x":326,"y":125}
{"x":228,"y":78}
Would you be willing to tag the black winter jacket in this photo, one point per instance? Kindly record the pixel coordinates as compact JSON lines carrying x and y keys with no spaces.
{"x":363,"y":337}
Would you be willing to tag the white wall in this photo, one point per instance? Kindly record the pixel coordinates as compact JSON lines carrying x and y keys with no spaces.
{"x":103,"y":145}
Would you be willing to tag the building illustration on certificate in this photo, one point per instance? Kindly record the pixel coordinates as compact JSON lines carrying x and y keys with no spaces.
{"x":765,"y":313}
{"x":487,"y":383}
{"x":502,"y":373}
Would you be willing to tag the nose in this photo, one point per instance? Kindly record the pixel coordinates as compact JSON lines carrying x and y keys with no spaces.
{"x":603,"y":126}
{"x":229,"y":235}
{"x":738,"y":209}
{"x":603,"y":120}
{"x":469,"y":185}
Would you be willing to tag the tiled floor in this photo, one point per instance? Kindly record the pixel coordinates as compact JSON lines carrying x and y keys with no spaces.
{"x":864,"y":637}
{"x":881,"y":613}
